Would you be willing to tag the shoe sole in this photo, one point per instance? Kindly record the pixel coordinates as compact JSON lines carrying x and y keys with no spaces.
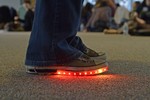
{"x":83,"y":73}
{"x":55,"y":69}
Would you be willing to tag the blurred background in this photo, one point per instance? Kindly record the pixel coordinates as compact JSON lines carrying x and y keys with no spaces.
{"x":107,"y":16}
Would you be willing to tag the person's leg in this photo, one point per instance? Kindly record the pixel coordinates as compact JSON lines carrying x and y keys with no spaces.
{"x":55,"y":21}
{"x":55,"y":26}
{"x":77,"y":43}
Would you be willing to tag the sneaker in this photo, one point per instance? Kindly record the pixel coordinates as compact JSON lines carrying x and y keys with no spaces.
{"x":83,"y":63}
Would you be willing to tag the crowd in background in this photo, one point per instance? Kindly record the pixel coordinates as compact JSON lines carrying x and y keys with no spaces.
{"x":109,"y":17}
{"x":105,"y":16}
{"x":17,"y":20}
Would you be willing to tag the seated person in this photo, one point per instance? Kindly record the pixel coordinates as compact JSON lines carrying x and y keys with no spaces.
{"x":140,"y":23}
{"x":143,"y":15}
{"x":101,"y":16}
{"x":26,"y":15}
{"x":23,"y":9}
{"x":28,"y":20}
{"x":112,"y":5}
{"x":135,"y":5}
{"x":86,"y":13}
{"x":7,"y":15}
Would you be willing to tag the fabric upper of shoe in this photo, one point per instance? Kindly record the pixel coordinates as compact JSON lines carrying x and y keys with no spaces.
{"x":91,"y":53}
{"x":84,"y":61}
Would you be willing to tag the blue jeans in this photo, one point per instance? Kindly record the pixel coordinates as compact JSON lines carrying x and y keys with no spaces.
{"x":53,"y":38}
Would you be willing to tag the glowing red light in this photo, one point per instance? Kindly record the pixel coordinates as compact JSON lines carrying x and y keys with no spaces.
{"x":95,"y":71}
{"x":100,"y":71}
{"x":80,"y":73}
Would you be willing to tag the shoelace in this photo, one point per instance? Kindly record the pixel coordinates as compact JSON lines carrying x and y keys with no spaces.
{"x":86,"y":59}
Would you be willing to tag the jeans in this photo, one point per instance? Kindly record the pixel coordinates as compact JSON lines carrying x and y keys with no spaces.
{"x":53,"y":38}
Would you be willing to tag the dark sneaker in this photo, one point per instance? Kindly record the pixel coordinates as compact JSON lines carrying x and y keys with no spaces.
{"x":83,"y":63}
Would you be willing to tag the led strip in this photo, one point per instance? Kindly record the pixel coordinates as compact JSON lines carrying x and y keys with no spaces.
{"x":82,"y":73}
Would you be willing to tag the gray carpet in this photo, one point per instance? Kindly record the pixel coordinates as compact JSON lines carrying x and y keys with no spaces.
{"x":128,"y":77}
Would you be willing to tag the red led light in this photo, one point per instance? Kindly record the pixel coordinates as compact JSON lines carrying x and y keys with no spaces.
{"x":82,"y":73}
{"x":100,"y":71}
